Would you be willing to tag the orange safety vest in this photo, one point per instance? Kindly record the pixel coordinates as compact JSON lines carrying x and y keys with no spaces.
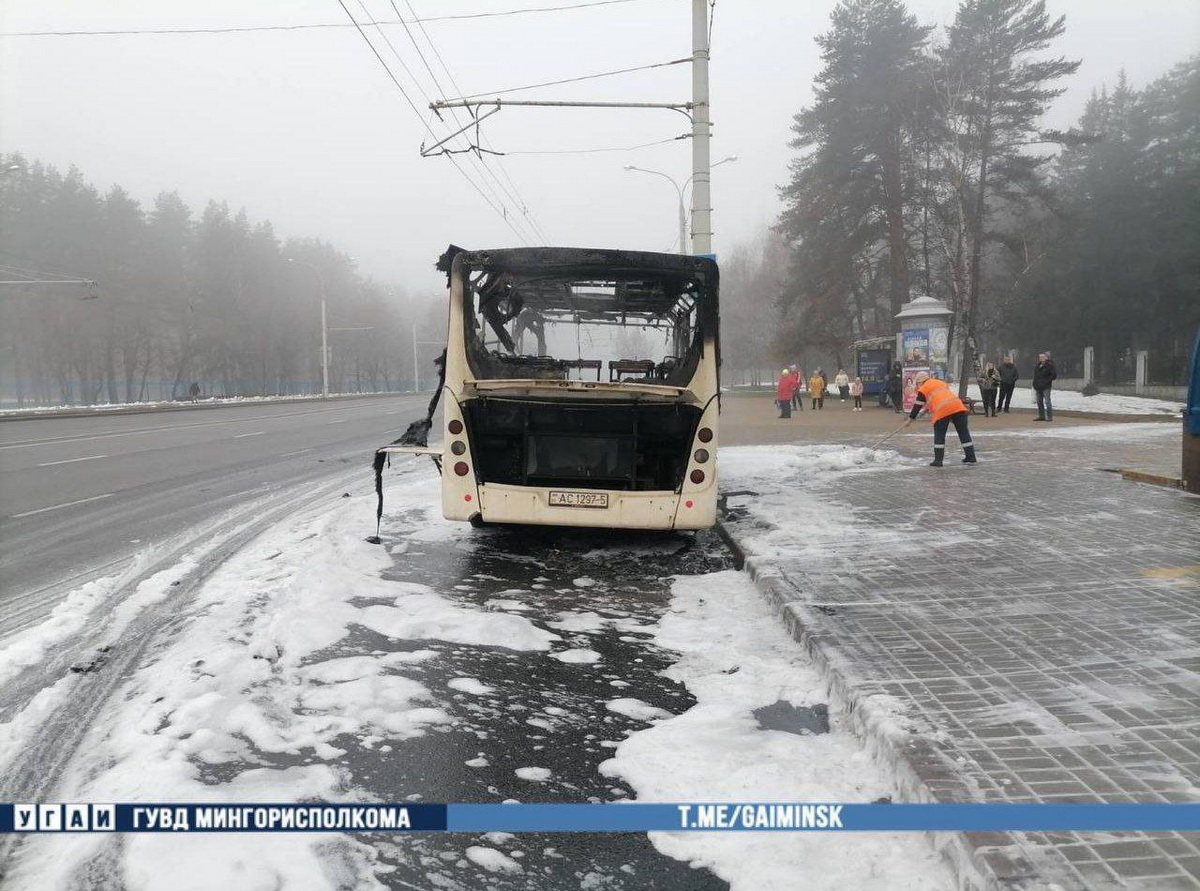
{"x":940,"y":401}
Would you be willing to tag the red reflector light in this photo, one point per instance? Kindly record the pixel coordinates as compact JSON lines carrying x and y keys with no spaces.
{"x":687,"y":504}
{"x":461,"y":468}
{"x":697,"y":476}
{"x":701,"y":456}
{"x":466,"y":498}
{"x":705,"y":435}
{"x":455,"y":426}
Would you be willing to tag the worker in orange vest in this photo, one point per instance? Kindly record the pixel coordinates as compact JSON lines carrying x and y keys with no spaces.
{"x":944,"y":409}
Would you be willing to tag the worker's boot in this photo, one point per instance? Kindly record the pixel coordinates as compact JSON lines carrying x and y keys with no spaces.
{"x":937,"y":460}
{"x":969,"y":458}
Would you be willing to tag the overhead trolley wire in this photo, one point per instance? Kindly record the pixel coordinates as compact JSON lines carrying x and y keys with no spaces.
{"x":499,"y":200}
{"x":572,"y":80}
{"x":446,"y":68}
{"x":498,"y":209}
{"x":475,"y":159}
{"x":313,"y":26}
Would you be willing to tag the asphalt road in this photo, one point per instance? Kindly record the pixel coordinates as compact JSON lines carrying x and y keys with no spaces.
{"x":79,"y":497}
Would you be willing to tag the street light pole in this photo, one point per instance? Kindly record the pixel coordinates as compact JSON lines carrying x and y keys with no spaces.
{"x":324,"y":329}
{"x":680,"y":190}
{"x":701,"y":132}
{"x":324,"y":349}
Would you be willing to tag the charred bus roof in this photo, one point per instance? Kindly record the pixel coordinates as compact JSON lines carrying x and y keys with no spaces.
{"x":575,"y":262}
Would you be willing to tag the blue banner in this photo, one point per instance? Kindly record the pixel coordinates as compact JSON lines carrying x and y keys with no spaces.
{"x":628,"y":817}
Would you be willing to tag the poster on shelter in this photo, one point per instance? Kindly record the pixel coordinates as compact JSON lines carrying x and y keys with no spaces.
{"x":916,"y":346}
{"x":910,"y":384}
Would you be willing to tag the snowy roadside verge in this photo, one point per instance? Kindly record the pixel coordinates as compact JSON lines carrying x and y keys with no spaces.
{"x":133,"y":408}
{"x":736,"y":660}
{"x":786,"y":516}
{"x":1101,"y":403}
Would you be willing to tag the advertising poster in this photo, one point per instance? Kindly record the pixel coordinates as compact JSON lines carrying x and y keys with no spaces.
{"x":873,"y":367}
{"x":916,"y":346}
{"x":910,"y":387}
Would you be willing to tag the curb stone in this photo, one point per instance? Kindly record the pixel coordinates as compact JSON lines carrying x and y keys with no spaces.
{"x":922,"y":770}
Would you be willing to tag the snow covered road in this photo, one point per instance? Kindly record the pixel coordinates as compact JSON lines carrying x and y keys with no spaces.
{"x":454,"y":664}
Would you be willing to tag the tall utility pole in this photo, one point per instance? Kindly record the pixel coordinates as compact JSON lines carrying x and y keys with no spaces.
{"x":698,"y":109}
{"x":701,"y":171}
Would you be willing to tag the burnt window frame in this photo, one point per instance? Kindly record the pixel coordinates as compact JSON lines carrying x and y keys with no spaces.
{"x":575,"y":265}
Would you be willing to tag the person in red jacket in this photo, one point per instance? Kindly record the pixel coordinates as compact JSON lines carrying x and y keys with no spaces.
{"x":784,"y":391}
{"x":797,"y":399}
{"x":944,"y":409}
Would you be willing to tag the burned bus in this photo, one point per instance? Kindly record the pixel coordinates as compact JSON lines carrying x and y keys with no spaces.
{"x":580,"y":389}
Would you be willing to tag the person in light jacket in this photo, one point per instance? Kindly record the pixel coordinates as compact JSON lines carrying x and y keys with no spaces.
{"x":1043,"y":378}
{"x":842,"y":381}
{"x":856,"y":390}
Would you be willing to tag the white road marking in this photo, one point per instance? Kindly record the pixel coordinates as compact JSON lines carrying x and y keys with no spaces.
{"x":42,"y":510}
{"x":289,"y":454}
{"x":72,"y":460}
{"x":255,"y":433}
{"x":342,"y":421}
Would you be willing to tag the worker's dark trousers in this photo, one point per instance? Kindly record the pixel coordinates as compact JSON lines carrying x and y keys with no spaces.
{"x":959,"y":419}
{"x":1006,"y":391}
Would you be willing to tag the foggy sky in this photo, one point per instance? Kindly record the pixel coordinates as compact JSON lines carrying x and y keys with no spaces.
{"x":305,"y":129}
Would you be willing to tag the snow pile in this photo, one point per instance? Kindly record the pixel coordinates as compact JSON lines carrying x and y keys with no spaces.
{"x":255,"y":675}
{"x":735,"y":658}
{"x":1101,"y":403}
{"x":1133,"y":432}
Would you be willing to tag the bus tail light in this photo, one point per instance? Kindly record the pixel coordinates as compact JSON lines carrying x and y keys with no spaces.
{"x":705,"y":434}
{"x":701,"y":456}
{"x":697,"y":476}
{"x":455,"y":426}
{"x":462,"y":469}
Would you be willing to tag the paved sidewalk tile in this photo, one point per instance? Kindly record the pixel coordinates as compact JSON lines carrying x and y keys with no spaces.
{"x":1040,"y":620}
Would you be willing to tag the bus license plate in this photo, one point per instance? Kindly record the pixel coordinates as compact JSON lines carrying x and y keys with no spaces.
{"x":578,"y":499}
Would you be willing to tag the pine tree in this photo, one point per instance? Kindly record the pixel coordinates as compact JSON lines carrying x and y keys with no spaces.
{"x":849,"y":194}
{"x":993,"y":92}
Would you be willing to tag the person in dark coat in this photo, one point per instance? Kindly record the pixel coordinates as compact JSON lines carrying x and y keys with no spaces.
{"x":895,"y":388}
{"x":1043,"y":378}
{"x":1008,"y":382}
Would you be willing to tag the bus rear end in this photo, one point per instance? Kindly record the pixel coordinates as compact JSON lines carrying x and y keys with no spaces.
{"x":581,"y":389}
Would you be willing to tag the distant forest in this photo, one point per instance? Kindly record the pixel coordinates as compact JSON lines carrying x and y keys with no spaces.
{"x":920,"y":169}
{"x":212,"y":299}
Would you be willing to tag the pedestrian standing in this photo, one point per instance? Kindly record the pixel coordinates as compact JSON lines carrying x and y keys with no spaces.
{"x":816,"y":389}
{"x":797,"y":378}
{"x":1043,"y":379}
{"x":856,"y":390}
{"x":842,"y":381}
{"x":1008,"y":382}
{"x":784,"y":390}
{"x":989,"y":383}
{"x":944,"y":409}
{"x":895,"y":388}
